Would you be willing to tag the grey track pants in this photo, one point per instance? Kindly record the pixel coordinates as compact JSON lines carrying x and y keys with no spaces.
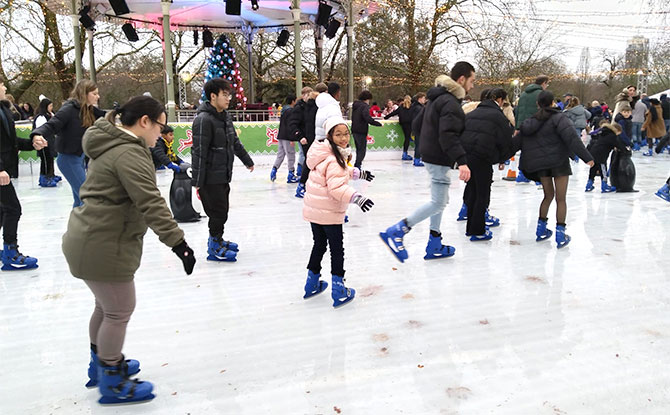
{"x":285,"y":147}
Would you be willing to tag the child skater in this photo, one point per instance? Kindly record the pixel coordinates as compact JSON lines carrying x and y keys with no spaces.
{"x":548,"y":139}
{"x":608,"y":139}
{"x":163,"y":154}
{"x":326,"y":200}
{"x":103,"y":241}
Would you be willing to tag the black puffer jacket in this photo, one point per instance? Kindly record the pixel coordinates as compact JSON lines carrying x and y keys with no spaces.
{"x":66,"y":126}
{"x":415,"y":109}
{"x":546,"y":144}
{"x":488,"y":133}
{"x":301,"y":120}
{"x":404,"y":114}
{"x":361,"y":119}
{"x":10,"y":144}
{"x":442,"y":125}
{"x":215,"y":143}
{"x":285,"y":132}
{"x":606,"y":142}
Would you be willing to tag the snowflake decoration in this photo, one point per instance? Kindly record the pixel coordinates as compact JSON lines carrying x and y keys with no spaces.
{"x":392,"y":135}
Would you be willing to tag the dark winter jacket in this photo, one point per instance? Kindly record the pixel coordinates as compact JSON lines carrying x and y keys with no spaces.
{"x":442,"y":125}
{"x":527,"y":105}
{"x":284,"y":129}
{"x":415,"y":109}
{"x":159,"y":154}
{"x":665,"y":105}
{"x":104,"y":236}
{"x":596,"y":112}
{"x":301,"y":120}
{"x":626,"y":127}
{"x":10,"y":144}
{"x":488,"y":133}
{"x":361,"y":119}
{"x":215,"y":143}
{"x":404,"y":115}
{"x":66,"y":126}
{"x":606,"y":142}
{"x":546,"y":144}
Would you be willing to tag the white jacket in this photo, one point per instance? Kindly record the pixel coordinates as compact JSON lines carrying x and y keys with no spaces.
{"x":327,"y":107}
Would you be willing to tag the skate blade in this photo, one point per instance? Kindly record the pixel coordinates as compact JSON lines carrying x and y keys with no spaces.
{"x":563,"y":245}
{"x":460,"y":219}
{"x":340,"y":303}
{"x":391,"y":246}
{"x":428,"y":257}
{"x":111,"y":401}
{"x":322,"y":287}
{"x":7,"y":267}
{"x":91,"y":384}
{"x":544,"y":238}
{"x":219,"y":259}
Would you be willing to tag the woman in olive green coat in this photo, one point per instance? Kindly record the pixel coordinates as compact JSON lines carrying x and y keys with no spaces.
{"x":103,"y":242}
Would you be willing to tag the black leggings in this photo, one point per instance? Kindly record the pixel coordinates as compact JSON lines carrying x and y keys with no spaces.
{"x":361,"y":142}
{"x":407,"y":131}
{"x":46,"y":162}
{"x":10,"y":213}
{"x":327,"y":235}
{"x":555,"y":187}
{"x":305,"y":170}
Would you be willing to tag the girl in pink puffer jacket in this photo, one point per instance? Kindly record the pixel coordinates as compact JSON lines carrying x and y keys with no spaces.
{"x":326,"y":198}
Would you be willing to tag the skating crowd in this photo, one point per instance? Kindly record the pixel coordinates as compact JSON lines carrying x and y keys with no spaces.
{"x":109,"y":161}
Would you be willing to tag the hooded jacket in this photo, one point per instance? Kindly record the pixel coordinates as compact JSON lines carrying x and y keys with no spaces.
{"x":606,"y":142}
{"x":327,"y":190}
{"x":215,"y":145}
{"x":442,"y":125}
{"x":285,"y":132}
{"x":10,"y":144}
{"x":361,"y":119}
{"x":527,"y":105}
{"x":104,"y":236}
{"x":488,"y":133}
{"x":66,"y":126}
{"x":327,"y":107}
{"x":626,"y":127}
{"x":578,"y":115}
{"x":301,"y":120}
{"x":546,"y":144}
{"x":654,"y":129}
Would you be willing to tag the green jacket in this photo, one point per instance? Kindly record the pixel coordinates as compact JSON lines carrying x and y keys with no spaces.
{"x":103,"y":241}
{"x":527,"y":105}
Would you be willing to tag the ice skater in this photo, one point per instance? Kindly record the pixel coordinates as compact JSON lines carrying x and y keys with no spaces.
{"x":600,"y":149}
{"x":441,"y":149}
{"x":360,"y":122}
{"x":69,"y":124}
{"x":548,"y":139}
{"x":286,"y":143}
{"x":10,"y":207}
{"x":325,"y":204}
{"x":103,"y":241}
{"x":215,"y":144}
{"x":301,"y":126}
{"x":163,"y":154}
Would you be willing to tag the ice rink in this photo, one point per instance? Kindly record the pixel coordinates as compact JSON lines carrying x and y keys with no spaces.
{"x":509,"y":326}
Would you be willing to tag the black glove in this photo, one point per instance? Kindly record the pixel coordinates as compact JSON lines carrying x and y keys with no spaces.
{"x":363,"y":202}
{"x":367,"y":175}
{"x":185,"y":253}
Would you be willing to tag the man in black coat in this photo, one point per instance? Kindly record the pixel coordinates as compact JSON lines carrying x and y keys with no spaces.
{"x":442,"y":125}
{"x":418,"y":101}
{"x":10,"y":208}
{"x":301,"y":124}
{"x":360,"y":122}
{"x":215,"y":143}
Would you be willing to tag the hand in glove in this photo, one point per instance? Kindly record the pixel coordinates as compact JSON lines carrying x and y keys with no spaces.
{"x":363,"y":202}
{"x":367,"y":175}
{"x":185,"y":253}
{"x":174,"y":167}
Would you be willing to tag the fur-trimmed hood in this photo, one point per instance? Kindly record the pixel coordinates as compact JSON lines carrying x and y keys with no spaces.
{"x":453,"y":87}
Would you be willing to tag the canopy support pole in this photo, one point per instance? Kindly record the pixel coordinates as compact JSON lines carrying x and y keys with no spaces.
{"x":91,"y":56}
{"x":298,"y":57}
{"x":248,"y":31}
{"x":167,"y":55}
{"x":350,"y":57}
{"x":77,"y":46}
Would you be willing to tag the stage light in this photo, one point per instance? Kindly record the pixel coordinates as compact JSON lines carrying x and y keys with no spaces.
{"x":120,"y":7}
{"x":254,"y":4}
{"x":130,"y":32}
{"x":282,"y":40}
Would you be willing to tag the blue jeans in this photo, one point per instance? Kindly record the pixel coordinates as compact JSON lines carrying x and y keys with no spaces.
{"x":667,"y":125}
{"x":637,"y":132}
{"x":439,"y":197}
{"x":73,"y":169}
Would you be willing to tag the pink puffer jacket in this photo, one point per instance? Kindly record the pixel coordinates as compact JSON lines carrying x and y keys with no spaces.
{"x":327,"y":191}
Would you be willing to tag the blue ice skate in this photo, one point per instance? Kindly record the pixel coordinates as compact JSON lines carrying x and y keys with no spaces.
{"x":487,"y":236}
{"x":542,"y":233}
{"x":13,"y":260}
{"x":314,"y":285}
{"x":133,"y":369}
{"x":463,"y":213}
{"x":435,"y":249}
{"x":292,"y":178}
{"x":273,"y":174}
{"x":393,"y":239}
{"x":300,"y":191}
{"x":561,"y":238}
{"x":340,"y":293}
{"x":664,"y":192}
{"x":116,"y":387}
{"x":589,"y":186}
{"x":406,"y":157}
{"x":217,"y":252}
{"x":491,"y":221}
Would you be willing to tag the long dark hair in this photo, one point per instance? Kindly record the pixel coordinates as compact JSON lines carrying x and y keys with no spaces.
{"x":80,"y":94}
{"x":136,"y":108}
{"x":654,"y":113}
{"x":334,"y":147}
{"x":545,"y":100}
{"x":43,"y":109}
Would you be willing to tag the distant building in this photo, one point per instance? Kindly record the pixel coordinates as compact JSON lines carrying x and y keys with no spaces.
{"x":637,"y":53}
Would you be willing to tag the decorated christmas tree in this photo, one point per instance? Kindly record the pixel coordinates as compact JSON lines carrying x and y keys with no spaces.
{"x":222,"y":63}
